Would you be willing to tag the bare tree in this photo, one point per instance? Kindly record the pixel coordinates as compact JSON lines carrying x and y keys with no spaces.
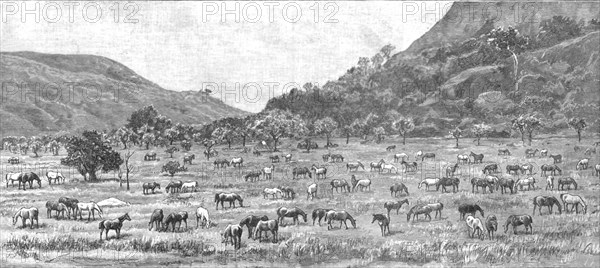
{"x":126,"y":167}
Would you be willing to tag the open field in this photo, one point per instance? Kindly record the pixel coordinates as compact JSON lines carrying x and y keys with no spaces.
{"x":557,"y":240}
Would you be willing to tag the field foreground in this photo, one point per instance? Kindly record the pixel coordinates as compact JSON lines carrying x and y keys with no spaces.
{"x":566,"y":239}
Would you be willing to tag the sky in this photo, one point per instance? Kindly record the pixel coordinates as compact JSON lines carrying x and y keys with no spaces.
{"x":245,"y":53}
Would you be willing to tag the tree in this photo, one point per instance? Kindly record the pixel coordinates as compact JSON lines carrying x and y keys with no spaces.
{"x":379,"y":133}
{"x":36,"y":146}
{"x":225,"y":133}
{"x":186,"y":145}
{"x":172,"y":134}
{"x":276,"y":124}
{"x":347,"y":130}
{"x":578,"y":124}
{"x":125,"y":135}
{"x":208,"y":144}
{"x":325,"y":126}
{"x":127,"y":167}
{"x":173,"y":167}
{"x":172,"y":150}
{"x":150,"y":117}
{"x":89,"y":154}
{"x":480,"y":130}
{"x":147,"y":139}
{"x":526,"y":124}
{"x":403,"y":125}
{"x":456,"y":133}
{"x":558,"y":29}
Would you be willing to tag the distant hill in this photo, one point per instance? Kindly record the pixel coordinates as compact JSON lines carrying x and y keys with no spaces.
{"x":32,"y":103}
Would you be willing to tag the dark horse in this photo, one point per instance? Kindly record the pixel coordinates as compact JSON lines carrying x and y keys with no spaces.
{"x":477,"y":158}
{"x":174,"y":186}
{"x":389,"y":206}
{"x":229,"y":197}
{"x":29,"y":178}
{"x":251,"y":222}
{"x":504,"y":183}
{"x":157,"y":217}
{"x":383,"y":221}
{"x":568,"y":182}
{"x":175,"y":218}
{"x":71,"y":204}
{"x":59,"y":207}
{"x":283,"y":212}
{"x":516,"y":220}
{"x":469,"y":208}
{"x":398,"y":188}
{"x":483,"y":183}
{"x":319,"y":213}
{"x":339,"y":183}
{"x":114,"y":224}
{"x":454,"y":182}
{"x":150,"y":186}
{"x":545,"y":201}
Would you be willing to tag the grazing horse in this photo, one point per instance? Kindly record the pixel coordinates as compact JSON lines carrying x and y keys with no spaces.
{"x":202,"y":215}
{"x":354,"y":166}
{"x":233,"y":234}
{"x":476,"y":226}
{"x":437,"y":207}
{"x":174,"y":186}
{"x":390,"y":148}
{"x":389,"y":206}
{"x":400,"y":157}
{"x":146,"y":187}
{"x":376,"y":166}
{"x":266,"y":226}
{"x":274,"y":158}
{"x":29,"y":178}
{"x":398,"y":188}
{"x":114,"y":224}
{"x":341,"y":216}
{"x":297,"y":171}
{"x":513,"y":169}
{"x":273,"y":192}
{"x":229,"y":197}
{"x":574,"y":201}
{"x":409,"y":167}
{"x":462,"y":159}
{"x":211,"y":153}
{"x":364,"y":183}
{"x":429,"y":182}
{"x":252,"y":176}
{"x":339,"y":183}
{"x":568,"y":182}
{"x":481,"y":182}
{"x":90,"y":207}
{"x":416,"y":210}
{"x":319,"y":213}
{"x":543,"y":152}
{"x":188,"y":159}
{"x":477,"y":158}
{"x":529,"y":182}
{"x":71,"y":203}
{"x":54,"y":176}
{"x":287,"y":157}
{"x":237,"y":162}
{"x":326,"y":157}
{"x":156,"y":217}
{"x":251,"y":222}
{"x":552,"y":168}
{"x":175,"y":218}
{"x":504,"y":183}
{"x":469,"y":208}
{"x":383,"y":221}
{"x":582,"y":164}
{"x":320,"y":172}
{"x":59,"y":207}
{"x":531,"y":152}
{"x":220,"y":163}
{"x":491,"y":224}
{"x":268,"y":172}
{"x":389,"y":168}
{"x":516,"y":220}
{"x":150,"y":156}
{"x":557,"y":158}
{"x":450,"y":170}
{"x":311,"y":191}
{"x":490,"y":168}
{"x":12,"y":177}
{"x":288,"y":192}
{"x":337,"y":158}
{"x":25,"y":214}
{"x":597,"y":170}
{"x":190,"y":185}
{"x":545,"y":201}
{"x":283,"y":212}
{"x":428,"y":156}
{"x":454,"y":182}
{"x":527,"y":169}
{"x":503,"y":152}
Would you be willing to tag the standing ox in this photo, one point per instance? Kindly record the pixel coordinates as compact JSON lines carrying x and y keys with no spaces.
{"x":545,"y":201}
{"x":516,"y":220}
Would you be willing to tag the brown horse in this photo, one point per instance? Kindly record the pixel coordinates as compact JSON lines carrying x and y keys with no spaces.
{"x":517,"y":220}
{"x":156,"y":217}
{"x":545,"y":201}
{"x":114,"y":224}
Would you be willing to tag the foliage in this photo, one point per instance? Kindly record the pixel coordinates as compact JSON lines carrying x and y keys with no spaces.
{"x":276,"y":124}
{"x":558,"y":29}
{"x":89,"y":154}
{"x":480,"y":130}
{"x":186,"y":145}
{"x":325,"y":126}
{"x":149,"y":117}
{"x":526,"y":124}
{"x":173,"y":167}
{"x":578,"y":124}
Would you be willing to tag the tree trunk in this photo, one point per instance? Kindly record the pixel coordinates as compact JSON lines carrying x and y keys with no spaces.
{"x":522,"y":137}
{"x":127,"y":175}
{"x":579,"y":135}
{"x":404,"y":139}
{"x":93,"y":176}
{"x":229,"y":144}
{"x":171,"y":142}
{"x":456,"y":142}
{"x":478,"y":138}
{"x":147,"y":145}
{"x":327,"y":141}
{"x":275,"y":144}
{"x":347,"y":138}
{"x":530,"y":138}
{"x":243,"y":141}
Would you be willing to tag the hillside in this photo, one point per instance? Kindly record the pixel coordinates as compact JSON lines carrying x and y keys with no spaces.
{"x":454,"y":76}
{"x":45,"y":93}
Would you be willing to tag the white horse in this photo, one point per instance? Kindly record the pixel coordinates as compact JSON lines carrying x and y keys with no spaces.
{"x":191,"y":185}
{"x":268,"y":172}
{"x":550,"y":183}
{"x":574,"y":201}
{"x":582,"y":164}
{"x":311,"y":190}
{"x":90,"y":207}
{"x":364,"y":183}
{"x":319,"y":171}
{"x":273,"y":192}
{"x":418,"y":154}
{"x":400,"y":157}
{"x":389,"y":168}
{"x":237,"y":161}
{"x":12,"y":177}
{"x":55,"y":176}
{"x":202,"y":215}
{"x":476,"y":226}
{"x":529,"y":182}
{"x":429,"y":182}
{"x":463,"y":158}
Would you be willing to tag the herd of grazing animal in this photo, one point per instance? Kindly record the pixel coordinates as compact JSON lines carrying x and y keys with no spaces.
{"x":262,"y":226}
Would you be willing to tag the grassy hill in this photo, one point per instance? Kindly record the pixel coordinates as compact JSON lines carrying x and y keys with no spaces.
{"x":45,"y":93}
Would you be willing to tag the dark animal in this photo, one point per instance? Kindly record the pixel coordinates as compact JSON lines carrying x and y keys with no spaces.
{"x":477,"y":158}
{"x":545,"y":201}
{"x":60,"y":209}
{"x":29,"y":178}
{"x":428,"y":156}
{"x":339,"y":183}
{"x":319,"y":213}
{"x":504,"y":183}
{"x":454,"y":182}
{"x":175,"y":218}
{"x":562,"y":182}
{"x":156,"y":217}
{"x":228,"y":197}
{"x":274,"y":159}
{"x":383,"y":221}
{"x":490,"y":168}
{"x":390,"y":148}
{"x":483,"y":183}
{"x":233,"y":235}
{"x":516,"y":220}
{"x":252,"y":176}
{"x":557,"y":158}
{"x":550,"y":168}
{"x":469,"y":208}
{"x":389,"y":206}
{"x":288,"y":192}
{"x":513,"y":169}
{"x":251,"y":221}
{"x":337,"y":158}
{"x":71,"y":203}
{"x":341,"y":216}
{"x":114,"y":224}
{"x":150,"y":186}
{"x":451,"y":170}
{"x":174,"y":187}
{"x":151,"y":156}
{"x":491,"y":224}
{"x":283,"y":212}
{"x":188,"y":159}
{"x":301,"y":171}
{"x":266,"y":226}
{"x":503,"y":152}
{"x":418,"y":210}
{"x":398,"y":188}
{"x":531,"y":152}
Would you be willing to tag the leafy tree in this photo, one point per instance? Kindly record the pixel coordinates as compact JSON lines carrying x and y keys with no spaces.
{"x":208,"y":144}
{"x":578,"y":124}
{"x":276,"y":124}
{"x":54,"y":147}
{"x":173,"y":167}
{"x":325,"y":126}
{"x":125,"y":135}
{"x":403,"y":125}
{"x":148,"y":139}
{"x":172,"y":150}
{"x":186,"y":145}
{"x":379,"y":133}
{"x":347,"y":130}
{"x":36,"y":146}
{"x":225,"y":133}
{"x":172,"y":134}
{"x":89,"y":154}
{"x":557,"y":29}
{"x":386,"y":51}
{"x":480,"y":130}
{"x":456,"y":133}
{"x":526,"y":124}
